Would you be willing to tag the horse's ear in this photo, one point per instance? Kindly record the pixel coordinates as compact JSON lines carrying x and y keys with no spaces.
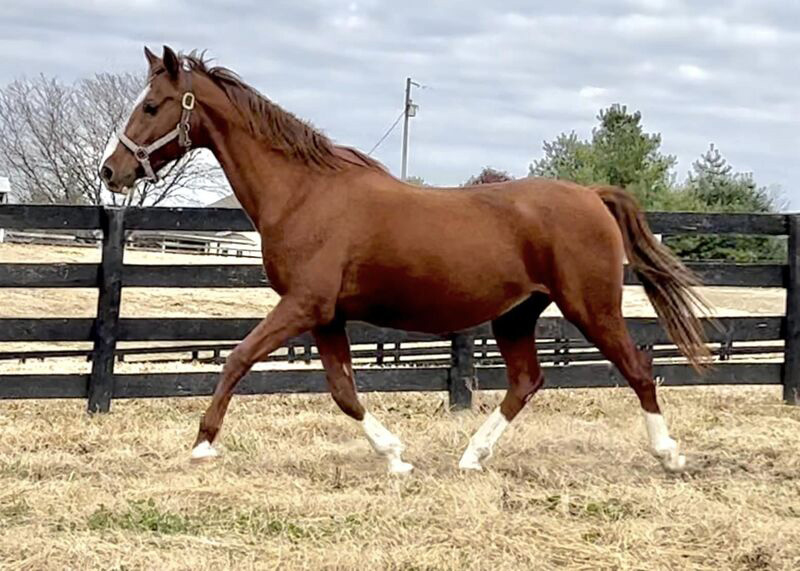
{"x":171,"y":63}
{"x":152,"y":58}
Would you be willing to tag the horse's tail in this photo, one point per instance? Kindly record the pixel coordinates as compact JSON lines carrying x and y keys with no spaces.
{"x":668,"y":283}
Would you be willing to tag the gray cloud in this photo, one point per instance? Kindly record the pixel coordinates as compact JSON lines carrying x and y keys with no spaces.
{"x":502,"y":76}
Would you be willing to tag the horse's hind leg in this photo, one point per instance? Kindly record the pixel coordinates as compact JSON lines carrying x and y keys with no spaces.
{"x":514,"y":332}
{"x":598,"y":314}
{"x":334,"y":350}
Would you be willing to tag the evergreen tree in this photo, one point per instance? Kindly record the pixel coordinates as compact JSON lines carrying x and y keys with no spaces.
{"x":620,"y":153}
{"x":628,"y":157}
{"x":713,"y":186}
{"x":567,"y":158}
{"x":713,"y":181}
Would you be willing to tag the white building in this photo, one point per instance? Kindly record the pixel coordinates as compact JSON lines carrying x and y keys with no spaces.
{"x":225,"y":243}
{"x":246,"y":241}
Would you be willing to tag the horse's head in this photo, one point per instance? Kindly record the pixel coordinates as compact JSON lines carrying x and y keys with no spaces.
{"x":158,"y":129}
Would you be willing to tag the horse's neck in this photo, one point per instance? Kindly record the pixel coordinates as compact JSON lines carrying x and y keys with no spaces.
{"x":266,"y":183}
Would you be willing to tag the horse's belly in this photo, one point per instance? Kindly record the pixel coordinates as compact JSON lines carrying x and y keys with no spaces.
{"x":427,"y":304}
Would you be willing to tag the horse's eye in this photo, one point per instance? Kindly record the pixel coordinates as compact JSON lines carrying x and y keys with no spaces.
{"x":150,"y":108}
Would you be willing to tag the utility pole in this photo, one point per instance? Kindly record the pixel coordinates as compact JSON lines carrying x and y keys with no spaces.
{"x":410,"y":111}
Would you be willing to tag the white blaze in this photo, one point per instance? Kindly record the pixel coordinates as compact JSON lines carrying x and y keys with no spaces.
{"x":483,"y":441}
{"x":138,"y":101}
{"x":113,"y":140}
{"x":111,"y":146}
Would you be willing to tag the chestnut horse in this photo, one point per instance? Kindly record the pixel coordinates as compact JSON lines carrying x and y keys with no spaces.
{"x":345,"y":240}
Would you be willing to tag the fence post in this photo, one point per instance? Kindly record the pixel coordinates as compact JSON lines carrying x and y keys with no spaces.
{"x":101,"y":381}
{"x":791,"y":360}
{"x":462,"y":371}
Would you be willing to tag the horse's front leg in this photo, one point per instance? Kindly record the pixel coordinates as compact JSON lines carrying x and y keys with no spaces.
{"x":290,"y":317}
{"x":334,"y":350}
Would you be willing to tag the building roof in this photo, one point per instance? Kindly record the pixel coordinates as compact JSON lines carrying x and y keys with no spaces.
{"x":229,"y":201}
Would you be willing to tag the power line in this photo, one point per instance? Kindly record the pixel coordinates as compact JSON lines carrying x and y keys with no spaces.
{"x":387,"y":133}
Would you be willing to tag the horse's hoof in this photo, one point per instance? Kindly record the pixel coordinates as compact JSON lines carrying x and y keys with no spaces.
{"x":203,"y":452}
{"x":671,"y":460}
{"x":470,"y":464}
{"x":401,"y":467}
{"x":470,"y":467}
{"x":472,"y":457}
{"x":674,"y":464}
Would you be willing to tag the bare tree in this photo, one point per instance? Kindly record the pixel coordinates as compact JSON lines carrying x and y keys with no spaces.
{"x":52,"y":137}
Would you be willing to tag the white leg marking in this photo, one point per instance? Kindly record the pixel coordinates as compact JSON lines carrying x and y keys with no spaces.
{"x":482,"y":442}
{"x":386,"y":444}
{"x":204,"y":451}
{"x":662,"y":445}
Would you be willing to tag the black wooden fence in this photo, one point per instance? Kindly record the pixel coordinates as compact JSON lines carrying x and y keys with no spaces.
{"x":750,"y":350}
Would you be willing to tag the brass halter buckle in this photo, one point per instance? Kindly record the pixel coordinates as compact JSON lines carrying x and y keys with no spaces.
{"x":188,"y":101}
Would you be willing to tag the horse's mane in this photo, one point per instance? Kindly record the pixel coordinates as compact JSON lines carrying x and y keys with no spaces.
{"x":285,"y":132}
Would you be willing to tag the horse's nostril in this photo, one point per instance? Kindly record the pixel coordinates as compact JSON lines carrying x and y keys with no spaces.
{"x":106,"y":173}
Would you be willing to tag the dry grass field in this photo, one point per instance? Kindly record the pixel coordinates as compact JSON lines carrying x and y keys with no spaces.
{"x":571,"y":485}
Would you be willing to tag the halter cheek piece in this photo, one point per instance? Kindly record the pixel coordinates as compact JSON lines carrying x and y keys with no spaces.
{"x":181,"y":132}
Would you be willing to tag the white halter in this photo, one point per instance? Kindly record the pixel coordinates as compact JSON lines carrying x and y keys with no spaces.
{"x":181,"y":132}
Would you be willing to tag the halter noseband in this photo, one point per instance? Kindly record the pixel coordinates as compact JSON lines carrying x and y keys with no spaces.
{"x":181,"y":132}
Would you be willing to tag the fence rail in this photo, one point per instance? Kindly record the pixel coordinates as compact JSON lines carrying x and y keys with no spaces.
{"x":388,"y":360}
{"x":21,"y":275}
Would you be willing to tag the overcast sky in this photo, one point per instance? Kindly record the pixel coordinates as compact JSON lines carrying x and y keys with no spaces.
{"x":502,"y":77}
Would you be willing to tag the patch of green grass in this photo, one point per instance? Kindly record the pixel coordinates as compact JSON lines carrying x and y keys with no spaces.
{"x":145,"y":516}
{"x":611,"y":509}
{"x":593,"y":536}
{"x":13,"y":513}
{"x":141,"y":516}
{"x":15,"y":469}
{"x":757,"y":559}
{"x":245,"y":443}
{"x":262,"y":523}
